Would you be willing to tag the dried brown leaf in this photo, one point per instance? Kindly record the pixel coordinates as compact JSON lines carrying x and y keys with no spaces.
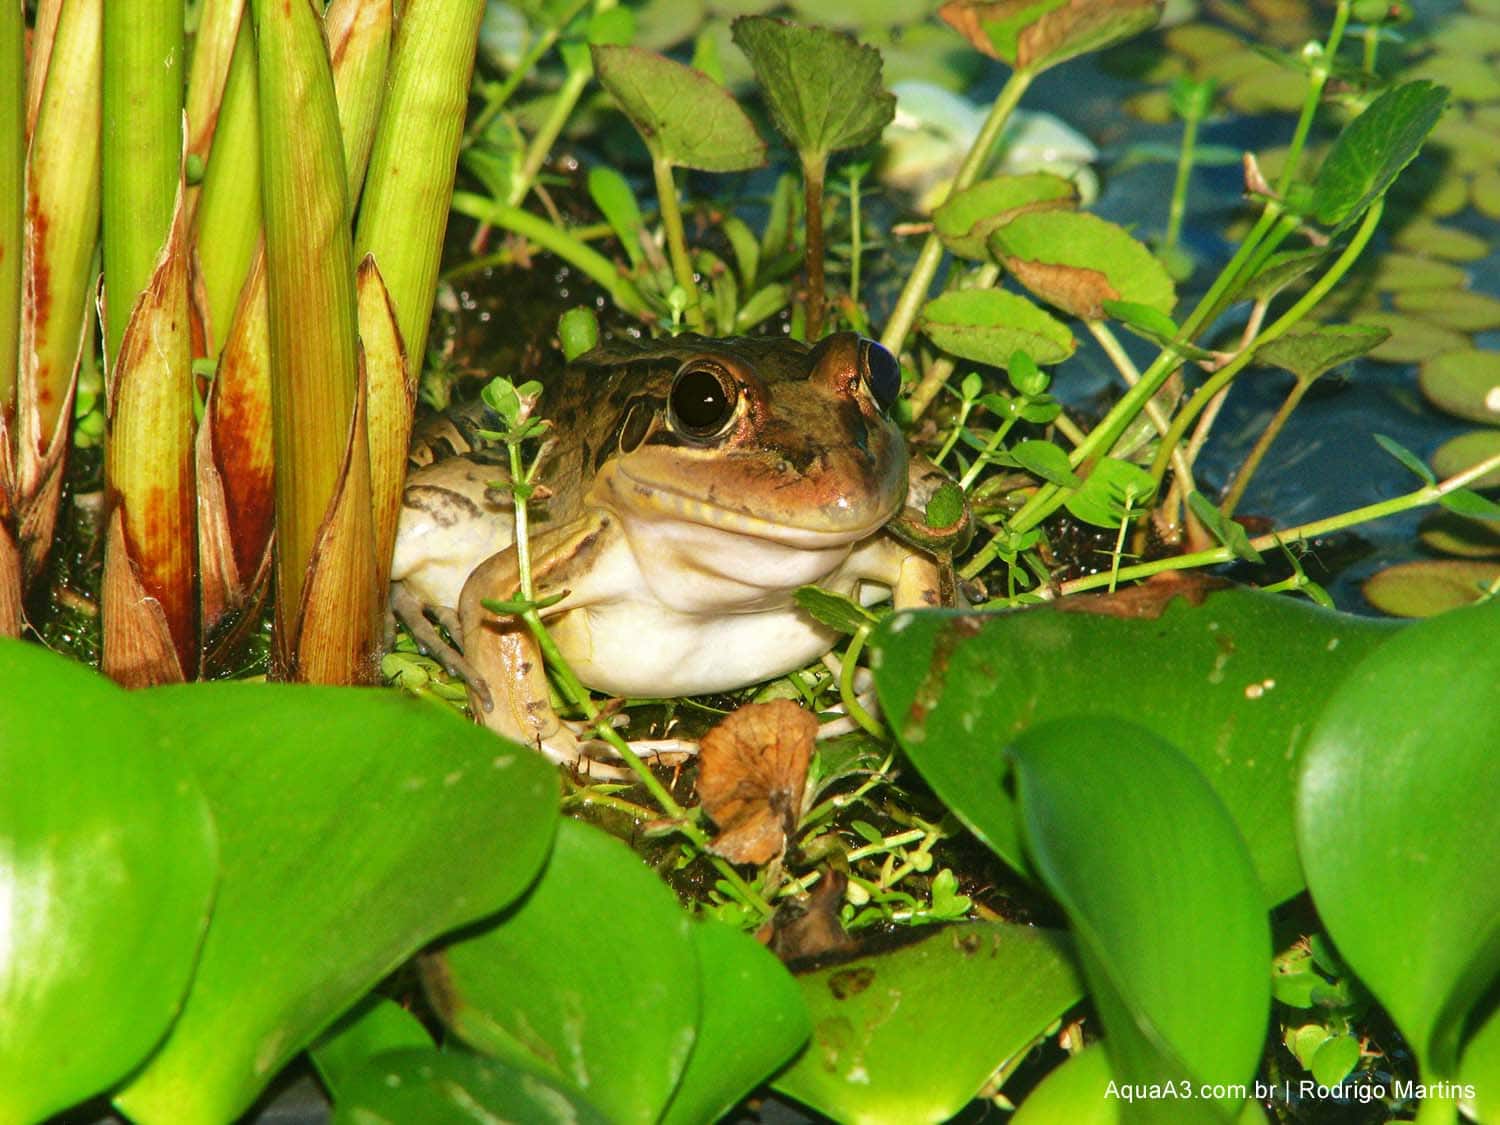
{"x":810,"y":929}
{"x":1074,"y":289}
{"x":138,"y":648}
{"x":11,"y":618}
{"x":392,"y":399}
{"x":1150,"y":599}
{"x":752,"y":769}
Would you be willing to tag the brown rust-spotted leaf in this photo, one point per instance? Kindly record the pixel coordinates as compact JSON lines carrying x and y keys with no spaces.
{"x":1074,"y":289}
{"x":138,"y":647}
{"x":752,"y":769}
{"x":1034,"y":36}
{"x":392,"y":398}
{"x":11,"y":619}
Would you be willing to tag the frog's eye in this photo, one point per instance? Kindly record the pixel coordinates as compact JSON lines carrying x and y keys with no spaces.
{"x":702,"y":400}
{"x":882,"y":373}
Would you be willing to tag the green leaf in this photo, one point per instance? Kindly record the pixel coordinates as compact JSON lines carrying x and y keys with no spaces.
{"x":1033,"y":35}
{"x":1480,"y":1069}
{"x":1045,"y":460}
{"x":834,"y":610}
{"x":516,"y":989}
{"x":1113,"y":492}
{"x":683,"y":115}
{"x":337,"y":851}
{"x":946,"y":506}
{"x":1409,"y":460}
{"x":107,"y":871}
{"x":823,"y":88}
{"x":1308,"y":353}
{"x":764,"y":302}
{"x":1467,"y":502}
{"x":753,"y":1020}
{"x":912,"y":1034}
{"x":1162,"y":895}
{"x":1373,"y":149}
{"x":1077,"y":261}
{"x":990,"y":325}
{"x":578,"y":329}
{"x":455,"y":1088}
{"x":1229,"y":533}
{"x":1429,"y":587}
{"x":1465,"y":451}
{"x":1398,"y":792}
{"x":967,"y":218}
{"x":746,"y":249}
{"x":1465,"y":383}
{"x":1230,"y":682}
{"x":1153,"y":325}
{"x":1073,"y":1092}
{"x":375,"y":1025}
{"x":613,"y":195}
{"x":1335,"y":1060}
{"x":1026,"y":378}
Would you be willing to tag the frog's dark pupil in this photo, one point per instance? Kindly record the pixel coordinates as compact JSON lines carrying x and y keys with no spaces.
{"x":700,"y":401}
{"x":883,"y":373}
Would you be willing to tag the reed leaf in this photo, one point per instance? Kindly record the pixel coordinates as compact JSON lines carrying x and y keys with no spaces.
{"x":392,"y":391}
{"x":12,"y":201}
{"x":221,"y":26}
{"x":43,"y":34}
{"x":412,"y":167}
{"x":359,"y":47}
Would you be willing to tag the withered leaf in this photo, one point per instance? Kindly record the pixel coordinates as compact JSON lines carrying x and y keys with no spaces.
{"x":1033,"y":36}
{"x":752,"y":769}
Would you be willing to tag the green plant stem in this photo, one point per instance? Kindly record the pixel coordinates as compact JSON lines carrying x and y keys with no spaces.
{"x":846,"y":684}
{"x":495,"y":101}
{"x":563,"y":243}
{"x":541,"y":144}
{"x":814,"y":168}
{"x":1317,"y":79}
{"x":1186,"y":154}
{"x":1419,"y":498}
{"x":856,"y":235}
{"x":992,"y":444}
{"x":965,"y":408}
{"x":1257,"y":454}
{"x":671,"y":220}
{"x":914,"y":293}
{"x":1372,"y":48}
{"x":1121,"y":359}
{"x":1309,"y":300}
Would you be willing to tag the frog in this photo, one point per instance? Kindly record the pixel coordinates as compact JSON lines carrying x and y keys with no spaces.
{"x":692,"y":485}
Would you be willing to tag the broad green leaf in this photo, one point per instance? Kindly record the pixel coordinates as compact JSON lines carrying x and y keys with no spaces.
{"x":1045,"y":460}
{"x":753,"y":1020}
{"x":967,"y":218}
{"x":823,"y":88}
{"x":1429,"y":587}
{"x":374,"y":1026}
{"x":455,"y":1088}
{"x":1074,"y":1092}
{"x":683,"y":115}
{"x":1077,"y":261}
{"x":1409,"y":460}
{"x":520,"y":989}
{"x":746,"y":249}
{"x":1335,"y":1060}
{"x":833,"y":610}
{"x":1465,"y":383}
{"x":1480,"y":1068}
{"x":1229,"y":533}
{"x":613,"y":195}
{"x":355,"y":826}
{"x":1162,"y":896}
{"x":1307,"y":354}
{"x":1465,"y":451}
{"x":1371,"y":152}
{"x":1033,"y":35}
{"x":1397,"y":792}
{"x":1230,"y":682}
{"x":1114,"y":491}
{"x":911,"y":1035}
{"x":989,"y":325}
{"x":107,"y":872}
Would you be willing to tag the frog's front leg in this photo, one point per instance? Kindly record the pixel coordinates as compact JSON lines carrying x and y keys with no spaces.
{"x":502,"y":650}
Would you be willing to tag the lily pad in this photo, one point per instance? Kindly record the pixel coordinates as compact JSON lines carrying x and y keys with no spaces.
{"x":107,"y":872}
{"x":1371,"y":152}
{"x":991,"y":325}
{"x":355,"y":826}
{"x":1457,"y":454}
{"x":1449,"y":533}
{"x":1465,"y":145}
{"x":1485,"y":191}
{"x":1429,"y":587}
{"x":1395,"y":273}
{"x":966,"y":220}
{"x":1465,"y":383}
{"x":1264,"y":90}
{"x":1411,"y":340}
{"x":1471,"y":79}
{"x":823,"y":88}
{"x":1408,"y":807}
{"x":1031,"y":36}
{"x":1423,"y":236}
{"x":911,"y":1035}
{"x":683,"y":115}
{"x":1309,"y":353}
{"x":1162,"y":895}
{"x":1076,"y":261}
{"x":1229,"y":682}
{"x":1461,"y":311}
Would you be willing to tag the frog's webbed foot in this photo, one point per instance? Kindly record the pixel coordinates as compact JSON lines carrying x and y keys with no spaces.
{"x":418,"y":619}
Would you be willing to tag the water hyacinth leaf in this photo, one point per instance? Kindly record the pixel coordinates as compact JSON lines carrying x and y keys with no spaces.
{"x":108,"y":875}
{"x":1073,"y":1092}
{"x":683,"y":116}
{"x":1077,"y":261}
{"x":1371,"y":152}
{"x":1480,"y":1068}
{"x":753,"y":1020}
{"x":336,"y":853}
{"x":373,"y":1026}
{"x":513,"y":989}
{"x":1031,"y":36}
{"x":1280,"y":270}
{"x":1460,"y":453}
{"x":1162,"y":895}
{"x":990,"y":325}
{"x":1409,"y":807}
{"x":1308,"y":354}
{"x":912,"y":1034}
{"x":1047,"y":461}
{"x":455,"y":1088}
{"x":967,"y":218}
{"x":1112,"y":492}
{"x":1229,"y":681}
{"x":1465,"y":383}
{"x":1428,"y":587}
{"x":823,"y":87}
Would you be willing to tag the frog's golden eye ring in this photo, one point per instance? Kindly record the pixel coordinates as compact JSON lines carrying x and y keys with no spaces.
{"x":882,"y":373}
{"x":703,"y":399}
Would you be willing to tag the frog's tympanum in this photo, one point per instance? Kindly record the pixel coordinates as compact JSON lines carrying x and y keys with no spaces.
{"x":694,"y":485}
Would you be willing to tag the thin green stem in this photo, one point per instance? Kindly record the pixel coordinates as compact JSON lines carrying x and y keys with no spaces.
{"x":1257,"y":454}
{"x":1317,"y":79}
{"x":814,"y":168}
{"x":1185,"y":157}
{"x":1121,"y":359}
{"x":990,"y":445}
{"x":540,"y":146}
{"x":856,"y":235}
{"x":914,"y":293}
{"x":671,"y":219}
{"x":495,"y":101}
{"x":563,"y":243}
{"x":846,"y":684}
